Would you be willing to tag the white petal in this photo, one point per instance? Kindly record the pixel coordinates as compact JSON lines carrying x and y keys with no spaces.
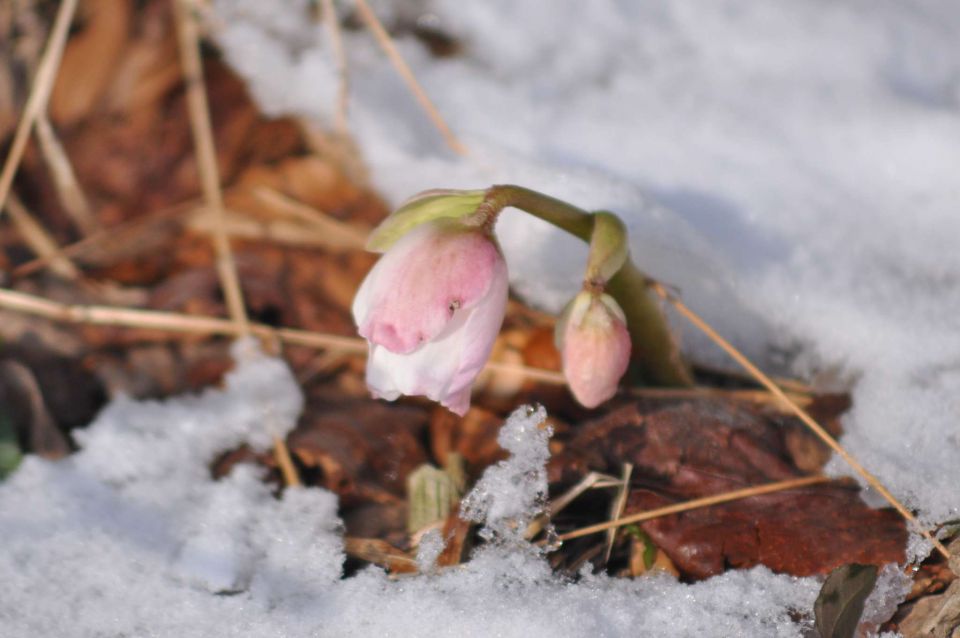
{"x":426,"y":371}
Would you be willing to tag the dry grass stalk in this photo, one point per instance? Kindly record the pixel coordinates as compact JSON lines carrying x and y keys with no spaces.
{"x":761,"y":397}
{"x":39,"y":240}
{"x":110,"y":236}
{"x":340,"y":233}
{"x":616,"y":509}
{"x":386,"y":43}
{"x":238,"y":225}
{"x":39,"y":95}
{"x":706,"y":501}
{"x":199,"y":111}
{"x":537,"y":374}
{"x":68,"y":189}
{"x":794,"y":386}
{"x":332,"y":25}
{"x":593,"y":480}
{"x":799,"y":412}
{"x":287,"y":469}
{"x":193,"y":324}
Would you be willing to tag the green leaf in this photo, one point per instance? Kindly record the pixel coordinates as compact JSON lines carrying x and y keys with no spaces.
{"x":840,"y":603}
{"x":649,"y":547}
{"x":10,"y":454}
{"x":426,"y":207}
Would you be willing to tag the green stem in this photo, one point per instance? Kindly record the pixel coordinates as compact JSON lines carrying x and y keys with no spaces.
{"x":655,"y":348}
{"x":655,"y":351}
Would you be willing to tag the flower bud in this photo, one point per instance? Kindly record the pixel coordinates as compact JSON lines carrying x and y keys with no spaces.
{"x":594,"y":345}
{"x":431,"y":309}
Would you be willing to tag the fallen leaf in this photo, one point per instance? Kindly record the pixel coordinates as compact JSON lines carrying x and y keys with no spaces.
{"x":361,"y":442}
{"x":379,"y":552}
{"x":839,"y":605}
{"x":696,"y":448}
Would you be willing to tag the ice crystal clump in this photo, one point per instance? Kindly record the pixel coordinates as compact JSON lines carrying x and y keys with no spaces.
{"x":511,"y":493}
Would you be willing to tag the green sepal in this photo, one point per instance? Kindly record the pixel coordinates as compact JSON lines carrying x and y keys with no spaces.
{"x":424,"y":207}
{"x":608,"y":247}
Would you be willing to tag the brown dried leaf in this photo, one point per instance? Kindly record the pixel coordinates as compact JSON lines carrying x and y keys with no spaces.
{"x":473,"y":436}
{"x":380,"y":552}
{"x":683,"y":451}
{"x":90,"y":60}
{"x":454,"y":534}
{"x":22,"y":401}
{"x":361,"y":442}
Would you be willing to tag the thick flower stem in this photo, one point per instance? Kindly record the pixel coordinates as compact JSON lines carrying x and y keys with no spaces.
{"x":655,"y":351}
{"x":654,"y":347}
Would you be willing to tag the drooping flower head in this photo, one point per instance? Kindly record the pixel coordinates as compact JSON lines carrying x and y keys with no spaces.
{"x":594,"y":346}
{"x":431,"y":308}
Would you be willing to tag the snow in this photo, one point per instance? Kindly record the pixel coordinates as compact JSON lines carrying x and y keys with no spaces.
{"x":790,"y":166}
{"x":513,"y":492}
{"x":93,"y":548}
{"x":891,"y":588}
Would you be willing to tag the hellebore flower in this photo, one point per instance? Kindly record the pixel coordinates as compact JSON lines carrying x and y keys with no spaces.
{"x":594,"y":345}
{"x":430,"y":310}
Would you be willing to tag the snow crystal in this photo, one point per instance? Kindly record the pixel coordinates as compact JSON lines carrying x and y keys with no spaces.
{"x":513,"y":492}
{"x":429,"y":549}
{"x":891,"y":588}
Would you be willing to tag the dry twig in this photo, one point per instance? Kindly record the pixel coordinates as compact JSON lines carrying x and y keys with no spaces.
{"x":68,"y":189}
{"x":390,"y":49}
{"x":332,"y":25}
{"x":39,"y":240}
{"x":800,"y":413}
{"x":203,"y":140}
{"x":194,"y":324}
{"x":199,"y":110}
{"x":616,"y":508}
{"x":111,"y":236}
{"x":39,"y":95}
{"x":340,"y":233}
{"x":706,"y":501}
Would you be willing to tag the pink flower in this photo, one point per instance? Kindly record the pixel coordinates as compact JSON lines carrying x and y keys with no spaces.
{"x":430,"y":310}
{"x":595,"y":347}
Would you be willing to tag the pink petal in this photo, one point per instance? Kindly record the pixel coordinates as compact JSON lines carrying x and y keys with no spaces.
{"x":444,"y":369}
{"x":411,"y":294}
{"x":483,"y":326}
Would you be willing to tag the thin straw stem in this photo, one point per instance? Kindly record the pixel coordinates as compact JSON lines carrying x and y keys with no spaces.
{"x":193,"y":324}
{"x":389,"y":48}
{"x":332,"y":25}
{"x":706,"y":501}
{"x":65,"y":179}
{"x":199,"y":112}
{"x":39,"y":95}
